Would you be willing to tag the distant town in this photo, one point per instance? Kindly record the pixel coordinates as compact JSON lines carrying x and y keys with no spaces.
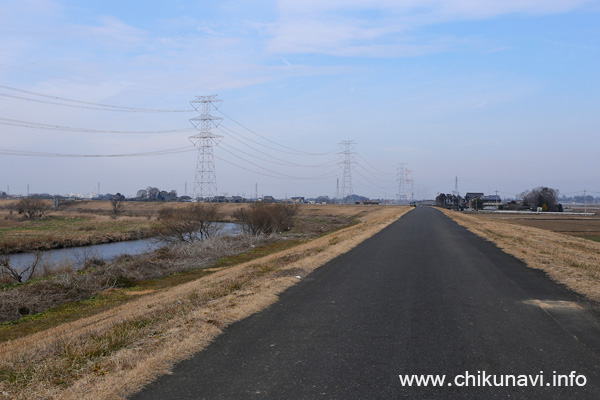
{"x":541,"y":199}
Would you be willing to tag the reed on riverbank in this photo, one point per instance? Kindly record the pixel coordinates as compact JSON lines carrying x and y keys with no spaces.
{"x":64,"y":283}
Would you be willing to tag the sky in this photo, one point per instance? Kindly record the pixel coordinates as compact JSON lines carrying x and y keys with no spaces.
{"x":503,"y":95}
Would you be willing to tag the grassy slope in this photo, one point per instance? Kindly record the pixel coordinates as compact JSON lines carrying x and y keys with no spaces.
{"x":115,"y":352}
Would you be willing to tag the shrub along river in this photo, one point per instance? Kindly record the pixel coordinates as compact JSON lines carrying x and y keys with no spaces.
{"x":106,"y":251}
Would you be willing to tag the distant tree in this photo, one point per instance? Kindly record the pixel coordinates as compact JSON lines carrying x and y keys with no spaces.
{"x":153,"y":193}
{"x":162,"y":195}
{"x":32,"y":208}
{"x":173,"y":193}
{"x":323,"y":199}
{"x":142,"y":194}
{"x":540,"y":196}
{"x":117,"y":205}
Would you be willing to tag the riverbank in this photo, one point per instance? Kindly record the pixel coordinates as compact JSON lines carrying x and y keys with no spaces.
{"x":64,"y":231}
{"x":87,"y":222}
{"x":114,"y":353}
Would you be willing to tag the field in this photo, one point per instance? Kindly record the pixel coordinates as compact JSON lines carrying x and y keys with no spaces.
{"x":585,"y":226}
{"x":116,"y":350}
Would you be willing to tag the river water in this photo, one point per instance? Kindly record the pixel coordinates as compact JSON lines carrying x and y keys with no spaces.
{"x":106,"y":251}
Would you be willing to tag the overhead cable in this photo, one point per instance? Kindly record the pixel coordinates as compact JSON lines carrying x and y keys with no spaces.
{"x":28,"y":153}
{"x":295,"y":151}
{"x":275,"y":172}
{"x":37,"y":125}
{"x":95,"y":106}
{"x":281,"y":161}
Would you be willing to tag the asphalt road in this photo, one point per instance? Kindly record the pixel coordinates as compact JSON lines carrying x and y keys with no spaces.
{"x":424,"y":296}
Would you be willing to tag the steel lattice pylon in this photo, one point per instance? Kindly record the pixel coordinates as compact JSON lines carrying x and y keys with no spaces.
{"x":402,"y":177}
{"x":348,"y":152}
{"x":205,"y":182}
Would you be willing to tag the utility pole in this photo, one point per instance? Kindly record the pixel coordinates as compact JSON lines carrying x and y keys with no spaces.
{"x":185,"y":189}
{"x":337,"y":191}
{"x":348,"y":152}
{"x":205,"y":182}
{"x":256,"y":191}
{"x":497,"y":205}
{"x":584,"y":202}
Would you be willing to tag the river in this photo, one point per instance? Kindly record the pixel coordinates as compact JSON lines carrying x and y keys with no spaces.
{"x":106,"y":251}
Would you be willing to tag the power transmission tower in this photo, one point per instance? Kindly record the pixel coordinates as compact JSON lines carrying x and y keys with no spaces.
{"x":410,"y":188}
{"x":455,"y":191}
{"x":205,"y":182}
{"x":401,"y":176}
{"x":348,"y":152}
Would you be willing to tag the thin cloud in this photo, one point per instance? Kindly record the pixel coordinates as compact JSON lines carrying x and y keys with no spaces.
{"x":382,"y":28}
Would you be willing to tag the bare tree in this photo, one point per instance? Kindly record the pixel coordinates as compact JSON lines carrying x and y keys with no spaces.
{"x":25,"y":274}
{"x":194,"y":222}
{"x":117,"y":205}
{"x":32,"y":208}
{"x":152,"y":193}
{"x":265,"y":218}
{"x":540,"y":196}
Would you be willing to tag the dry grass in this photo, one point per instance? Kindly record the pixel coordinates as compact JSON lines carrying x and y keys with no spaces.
{"x":88,"y":222}
{"x":569,"y":260}
{"x":117,"y":352}
{"x":581,"y":226}
{"x":62,"y":229}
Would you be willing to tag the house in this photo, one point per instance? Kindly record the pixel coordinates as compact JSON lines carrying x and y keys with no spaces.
{"x":297,"y":200}
{"x":473,"y":195}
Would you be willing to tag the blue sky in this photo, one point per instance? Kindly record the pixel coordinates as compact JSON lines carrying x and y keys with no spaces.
{"x":502,"y":94}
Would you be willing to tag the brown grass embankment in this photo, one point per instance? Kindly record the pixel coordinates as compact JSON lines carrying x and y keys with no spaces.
{"x":87,"y":222}
{"x":587,"y":227}
{"x":60,"y":230}
{"x":117,"y":352}
{"x":569,"y":260}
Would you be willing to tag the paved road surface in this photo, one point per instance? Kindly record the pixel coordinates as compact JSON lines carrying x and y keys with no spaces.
{"x":424,"y":296}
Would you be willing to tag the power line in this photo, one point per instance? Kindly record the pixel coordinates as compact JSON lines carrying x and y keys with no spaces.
{"x":275,"y":172}
{"x":37,"y":125}
{"x":96,"y":106}
{"x":295,"y":151}
{"x":29,"y":153}
{"x":375,"y":177}
{"x":282,"y":161}
{"x":269,"y":147}
{"x":378,"y":171}
{"x":83,"y":107}
{"x":271,"y":176}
